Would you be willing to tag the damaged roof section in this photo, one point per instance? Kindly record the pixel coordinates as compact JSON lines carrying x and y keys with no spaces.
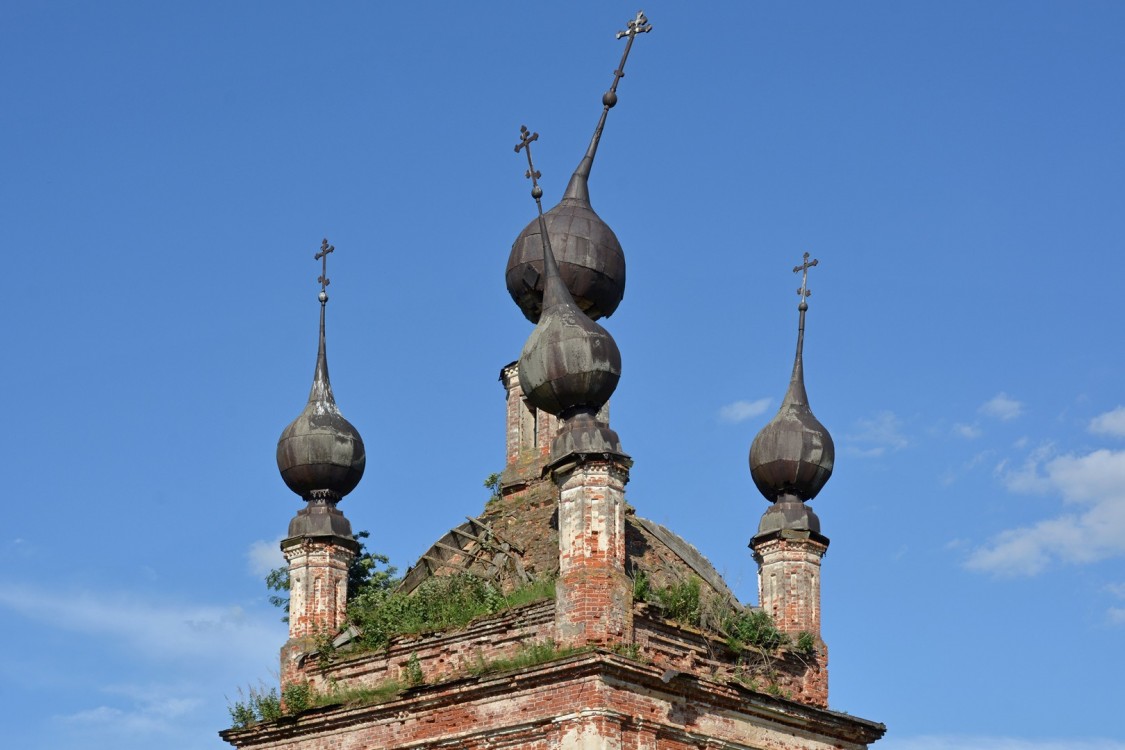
{"x":516,"y":540}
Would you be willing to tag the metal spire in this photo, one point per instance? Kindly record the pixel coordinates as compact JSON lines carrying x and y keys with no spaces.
{"x":797,"y":392}
{"x":578,"y":188}
{"x":321,"y":392}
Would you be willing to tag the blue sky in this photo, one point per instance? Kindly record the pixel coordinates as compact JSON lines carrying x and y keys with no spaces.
{"x":168,"y":171}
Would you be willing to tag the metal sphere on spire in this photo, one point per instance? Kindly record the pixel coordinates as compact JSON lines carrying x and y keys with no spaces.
{"x":589,"y":256}
{"x":791,"y":458}
{"x":320,"y":454}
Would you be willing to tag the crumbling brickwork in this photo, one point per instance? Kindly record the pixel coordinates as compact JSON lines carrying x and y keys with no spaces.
{"x":594,"y":594}
{"x":590,"y":701}
{"x":789,"y":579}
{"x":318,"y":585}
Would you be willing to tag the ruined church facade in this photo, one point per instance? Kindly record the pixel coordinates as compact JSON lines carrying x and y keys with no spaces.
{"x":623,"y":674}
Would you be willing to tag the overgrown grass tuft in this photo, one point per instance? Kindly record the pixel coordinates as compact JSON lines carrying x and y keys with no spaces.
{"x":685,"y":603}
{"x":360,"y":696}
{"x":439,"y":603}
{"x":531,"y":654}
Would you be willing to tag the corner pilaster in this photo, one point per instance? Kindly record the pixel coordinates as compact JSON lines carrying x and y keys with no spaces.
{"x":594,"y":594}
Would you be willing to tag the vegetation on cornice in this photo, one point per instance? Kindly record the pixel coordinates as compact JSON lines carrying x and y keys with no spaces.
{"x":743,"y":629}
{"x":260,"y":705}
{"x":441,"y":603}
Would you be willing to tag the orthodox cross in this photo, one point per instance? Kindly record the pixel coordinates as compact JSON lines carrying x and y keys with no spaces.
{"x":322,"y":256}
{"x":526,"y":139}
{"x":639,"y":25}
{"x":806,"y":264}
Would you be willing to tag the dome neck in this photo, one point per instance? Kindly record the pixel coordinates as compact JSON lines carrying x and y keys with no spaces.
{"x":796,"y":395}
{"x":578,"y":189}
{"x":321,"y":392}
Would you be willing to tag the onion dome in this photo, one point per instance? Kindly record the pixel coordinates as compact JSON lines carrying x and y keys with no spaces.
{"x":591,"y":262}
{"x":569,"y":361}
{"x":589,"y":256}
{"x":320,"y":454}
{"x":791,"y":458}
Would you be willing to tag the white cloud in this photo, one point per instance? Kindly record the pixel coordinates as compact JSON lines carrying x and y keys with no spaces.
{"x":1110,"y":423}
{"x":876,"y":436}
{"x":1002,"y":407}
{"x":967,"y":431}
{"x":152,"y":715}
{"x":265,"y":556}
{"x":1028,"y":478}
{"x":970,"y":742}
{"x":165,"y":631}
{"x":740,"y":411}
{"x":1092,"y":486}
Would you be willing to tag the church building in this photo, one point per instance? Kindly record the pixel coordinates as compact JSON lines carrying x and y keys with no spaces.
{"x":634,"y":641}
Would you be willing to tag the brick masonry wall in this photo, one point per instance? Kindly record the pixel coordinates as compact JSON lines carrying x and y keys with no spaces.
{"x":799,"y":677}
{"x":593,"y":701}
{"x":441,"y":656}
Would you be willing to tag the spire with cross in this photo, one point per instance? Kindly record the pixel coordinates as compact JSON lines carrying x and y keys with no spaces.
{"x":553,"y":288}
{"x":577,"y":186}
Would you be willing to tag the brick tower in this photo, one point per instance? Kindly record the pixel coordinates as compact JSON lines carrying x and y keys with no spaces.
{"x":570,"y":367}
{"x":791,"y":459}
{"x":321,"y":458}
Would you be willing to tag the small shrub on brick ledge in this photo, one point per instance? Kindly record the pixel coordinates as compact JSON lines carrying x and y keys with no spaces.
{"x":259,"y":705}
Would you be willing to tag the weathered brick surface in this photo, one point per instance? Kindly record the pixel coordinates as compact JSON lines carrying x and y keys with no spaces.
{"x":796,"y":676}
{"x":441,"y":656}
{"x":587,"y":702}
{"x":529,"y":433}
{"x":594,"y":599}
{"x":318,"y":581}
{"x":789,"y":580}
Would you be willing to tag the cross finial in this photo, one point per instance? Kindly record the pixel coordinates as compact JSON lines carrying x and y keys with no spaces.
{"x":803,"y":269}
{"x":526,"y":139}
{"x":322,"y":256}
{"x":638,"y":25}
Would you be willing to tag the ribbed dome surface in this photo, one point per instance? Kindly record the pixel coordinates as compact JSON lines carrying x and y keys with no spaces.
{"x":591,"y":262}
{"x":590,"y":258}
{"x":569,"y":361}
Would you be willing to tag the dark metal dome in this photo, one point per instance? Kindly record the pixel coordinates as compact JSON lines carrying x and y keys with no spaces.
{"x":793,"y":454}
{"x":320,"y":453}
{"x":591,"y":262}
{"x":569,"y":360}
